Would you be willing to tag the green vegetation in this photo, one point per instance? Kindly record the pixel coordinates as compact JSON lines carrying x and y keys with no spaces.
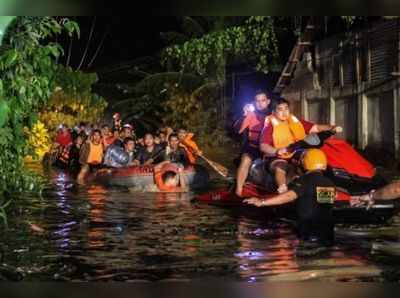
{"x":27,"y":73}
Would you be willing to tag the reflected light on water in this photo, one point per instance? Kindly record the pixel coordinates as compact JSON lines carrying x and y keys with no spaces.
{"x":108,"y":234}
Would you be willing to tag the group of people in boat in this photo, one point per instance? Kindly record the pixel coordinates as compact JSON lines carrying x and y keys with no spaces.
{"x":268,"y":128}
{"x":85,"y":149}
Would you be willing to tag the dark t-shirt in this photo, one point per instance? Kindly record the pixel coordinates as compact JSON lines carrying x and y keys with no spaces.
{"x":119,"y":142}
{"x":144,"y":155}
{"x":316,"y":194}
{"x":178,"y":156}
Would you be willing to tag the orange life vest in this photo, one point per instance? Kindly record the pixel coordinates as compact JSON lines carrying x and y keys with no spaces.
{"x":285,"y":132}
{"x":255,"y":123}
{"x":190,"y":147}
{"x":64,"y":156}
{"x":95,"y":153}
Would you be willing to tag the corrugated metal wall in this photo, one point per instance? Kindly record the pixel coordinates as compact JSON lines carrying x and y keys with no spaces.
{"x":377,"y":50}
{"x":327,"y":61}
{"x":348,"y":61}
{"x":383,"y":47}
{"x":381,"y":121}
{"x":346,"y":117}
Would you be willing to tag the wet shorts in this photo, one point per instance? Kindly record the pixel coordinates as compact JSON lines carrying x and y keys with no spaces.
{"x":252,"y":151}
{"x":95,"y":167}
{"x":273,"y":163}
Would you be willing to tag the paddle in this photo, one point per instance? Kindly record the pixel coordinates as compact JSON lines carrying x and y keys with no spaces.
{"x":220,"y":169}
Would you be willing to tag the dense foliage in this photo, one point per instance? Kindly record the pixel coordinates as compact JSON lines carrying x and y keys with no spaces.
{"x":27,"y":72}
{"x":72,"y":101}
{"x":188,"y":89}
{"x":39,"y":141}
{"x":210,"y":54}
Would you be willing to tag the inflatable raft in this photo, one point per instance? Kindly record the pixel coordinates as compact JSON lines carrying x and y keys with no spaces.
{"x":197,"y":177}
{"x":352,"y":174}
{"x":343,"y":212}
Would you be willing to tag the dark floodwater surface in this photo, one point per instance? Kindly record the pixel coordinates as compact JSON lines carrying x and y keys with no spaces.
{"x":96,"y":234}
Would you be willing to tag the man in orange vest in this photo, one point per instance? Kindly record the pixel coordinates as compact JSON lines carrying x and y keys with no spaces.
{"x":282,"y":129}
{"x":91,"y":155}
{"x":253,"y":123}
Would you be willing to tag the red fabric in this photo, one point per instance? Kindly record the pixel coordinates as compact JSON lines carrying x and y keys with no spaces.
{"x":255,"y":123}
{"x":109,"y":140}
{"x":226,"y":198}
{"x":64,"y":139}
{"x":341,"y":155}
{"x":266,"y":134}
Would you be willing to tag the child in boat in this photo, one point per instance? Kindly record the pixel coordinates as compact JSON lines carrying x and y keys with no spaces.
{"x":314,"y":195}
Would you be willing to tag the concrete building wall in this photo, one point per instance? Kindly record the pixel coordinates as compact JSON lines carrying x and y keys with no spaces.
{"x":353,"y":83}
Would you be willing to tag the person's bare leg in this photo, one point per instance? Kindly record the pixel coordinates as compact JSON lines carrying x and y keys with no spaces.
{"x":242,"y":172}
{"x":280,"y":177}
{"x":82,"y":174}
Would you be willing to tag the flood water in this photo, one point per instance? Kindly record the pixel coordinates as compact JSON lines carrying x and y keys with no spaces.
{"x":93,"y":233}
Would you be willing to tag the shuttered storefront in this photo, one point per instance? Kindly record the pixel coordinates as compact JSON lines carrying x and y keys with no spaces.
{"x":383,"y":47}
{"x":346,"y":117}
{"x":381,"y":122}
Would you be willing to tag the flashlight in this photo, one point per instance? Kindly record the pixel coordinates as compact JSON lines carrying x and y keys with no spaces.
{"x":251,"y":108}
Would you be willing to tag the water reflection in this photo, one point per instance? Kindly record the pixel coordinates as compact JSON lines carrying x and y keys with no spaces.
{"x":265,"y":251}
{"x":95,"y":233}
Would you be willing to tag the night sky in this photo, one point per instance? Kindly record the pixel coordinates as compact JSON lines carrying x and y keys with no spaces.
{"x":126,"y":38}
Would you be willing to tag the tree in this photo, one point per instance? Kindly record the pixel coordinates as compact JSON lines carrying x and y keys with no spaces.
{"x":27,"y":72}
{"x":209,"y":54}
{"x":72,"y":100}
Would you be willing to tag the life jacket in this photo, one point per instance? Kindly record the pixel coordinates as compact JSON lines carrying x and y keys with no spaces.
{"x":285,"y":133}
{"x":95,"y":153}
{"x":190,"y":147}
{"x":64,"y":156}
{"x":158,"y":177}
{"x":255,"y":123}
{"x":108,"y":140}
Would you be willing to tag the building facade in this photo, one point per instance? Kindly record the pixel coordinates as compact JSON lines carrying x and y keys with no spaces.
{"x":351,"y":80}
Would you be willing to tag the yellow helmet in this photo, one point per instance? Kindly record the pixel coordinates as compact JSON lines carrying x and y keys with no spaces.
{"x":314,"y":159}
